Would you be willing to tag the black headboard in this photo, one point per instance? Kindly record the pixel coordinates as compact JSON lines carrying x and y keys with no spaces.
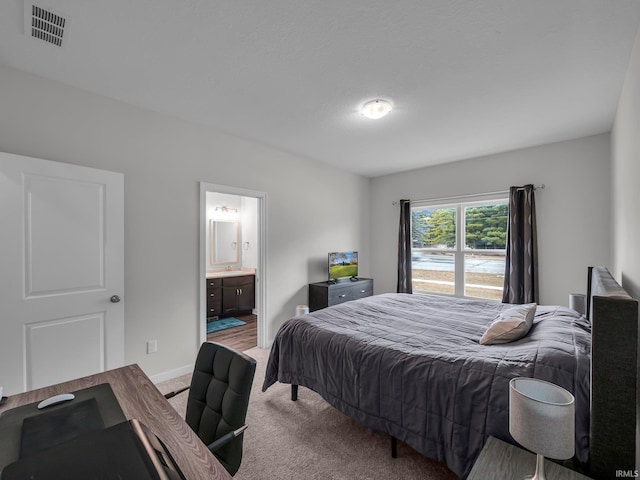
{"x":614,"y":376}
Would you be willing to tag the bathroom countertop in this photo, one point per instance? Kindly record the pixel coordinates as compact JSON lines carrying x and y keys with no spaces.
{"x":236,"y":272}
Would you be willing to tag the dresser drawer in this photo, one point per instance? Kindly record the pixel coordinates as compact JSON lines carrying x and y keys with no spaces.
{"x":214,"y":294}
{"x":363,"y":291}
{"x":214,"y":300}
{"x":214,"y":310}
{"x":213,"y":283}
{"x":340,"y":295}
{"x":238,"y":281}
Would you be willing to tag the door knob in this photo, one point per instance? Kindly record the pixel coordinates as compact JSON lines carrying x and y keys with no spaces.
{"x":115,"y":299}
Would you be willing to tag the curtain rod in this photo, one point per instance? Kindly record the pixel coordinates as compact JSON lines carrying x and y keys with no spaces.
{"x":458,"y":197}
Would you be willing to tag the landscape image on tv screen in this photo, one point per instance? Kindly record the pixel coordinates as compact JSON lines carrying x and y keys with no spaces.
{"x":343,"y":264}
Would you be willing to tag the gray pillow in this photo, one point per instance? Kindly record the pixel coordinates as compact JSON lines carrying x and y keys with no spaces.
{"x":512,"y":324}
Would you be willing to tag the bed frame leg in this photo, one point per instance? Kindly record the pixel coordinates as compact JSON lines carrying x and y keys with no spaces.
{"x":394,"y":447}
{"x":294,"y":392}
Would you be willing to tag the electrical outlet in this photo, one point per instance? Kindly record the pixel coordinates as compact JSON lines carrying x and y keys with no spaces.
{"x":152,"y":346}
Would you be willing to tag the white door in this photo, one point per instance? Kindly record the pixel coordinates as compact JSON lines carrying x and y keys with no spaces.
{"x":61,"y":272}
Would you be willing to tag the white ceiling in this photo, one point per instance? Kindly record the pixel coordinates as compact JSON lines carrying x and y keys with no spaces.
{"x":466,"y":77}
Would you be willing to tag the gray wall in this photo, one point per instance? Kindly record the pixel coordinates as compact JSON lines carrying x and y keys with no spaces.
{"x":163,"y":160}
{"x":625,"y":180}
{"x":160,"y":154}
{"x":572,"y":211}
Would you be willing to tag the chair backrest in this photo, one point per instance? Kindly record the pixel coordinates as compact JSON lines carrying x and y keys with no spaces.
{"x":219,"y":397}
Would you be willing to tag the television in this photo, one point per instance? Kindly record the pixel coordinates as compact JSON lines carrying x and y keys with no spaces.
{"x":343,"y":265}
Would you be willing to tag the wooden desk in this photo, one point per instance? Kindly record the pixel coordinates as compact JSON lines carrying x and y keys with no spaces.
{"x":140,"y":399}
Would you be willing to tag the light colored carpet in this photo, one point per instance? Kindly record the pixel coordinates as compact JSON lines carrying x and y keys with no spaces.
{"x":309,"y":439}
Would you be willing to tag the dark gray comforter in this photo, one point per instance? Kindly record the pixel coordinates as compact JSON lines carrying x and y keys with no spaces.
{"x":411,"y":366}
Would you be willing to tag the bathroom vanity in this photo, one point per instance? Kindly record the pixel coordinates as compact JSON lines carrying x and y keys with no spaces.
{"x":230,"y":293}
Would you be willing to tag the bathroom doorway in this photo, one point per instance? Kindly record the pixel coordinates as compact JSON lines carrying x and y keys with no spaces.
{"x":232,"y":266}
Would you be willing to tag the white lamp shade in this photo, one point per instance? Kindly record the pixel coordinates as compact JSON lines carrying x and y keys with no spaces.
{"x":542,"y":417}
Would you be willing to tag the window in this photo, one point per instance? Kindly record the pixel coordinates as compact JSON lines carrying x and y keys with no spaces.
{"x":459,"y":249}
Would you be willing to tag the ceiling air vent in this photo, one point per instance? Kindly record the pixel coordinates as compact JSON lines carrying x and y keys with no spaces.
{"x":44,"y":24}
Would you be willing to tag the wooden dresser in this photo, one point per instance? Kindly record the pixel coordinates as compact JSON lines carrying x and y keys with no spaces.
{"x":325,"y":294}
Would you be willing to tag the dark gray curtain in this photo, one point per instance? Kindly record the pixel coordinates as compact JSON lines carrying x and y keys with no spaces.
{"x":404,"y":248}
{"x":521,"y":266}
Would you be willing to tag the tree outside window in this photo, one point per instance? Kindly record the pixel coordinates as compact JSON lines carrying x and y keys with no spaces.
{"x":465,"y":261}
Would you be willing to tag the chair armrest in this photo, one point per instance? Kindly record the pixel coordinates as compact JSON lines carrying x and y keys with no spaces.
{"x":175,"y":392}
{"x":223,"y":440}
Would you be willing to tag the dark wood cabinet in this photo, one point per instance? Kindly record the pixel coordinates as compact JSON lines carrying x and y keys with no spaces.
{"x":325,"y":294}
{"x":238,"y":295}
{"x":214,"y":297}
{"x":229,"y":296}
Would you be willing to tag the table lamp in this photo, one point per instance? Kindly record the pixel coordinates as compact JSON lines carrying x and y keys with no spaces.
{"x":542,"y":419}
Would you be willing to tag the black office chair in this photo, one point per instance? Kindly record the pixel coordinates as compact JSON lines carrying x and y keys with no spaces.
{"x":218,"y":401}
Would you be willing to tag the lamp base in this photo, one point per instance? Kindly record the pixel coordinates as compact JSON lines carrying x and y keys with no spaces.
{"x":539,"y":475}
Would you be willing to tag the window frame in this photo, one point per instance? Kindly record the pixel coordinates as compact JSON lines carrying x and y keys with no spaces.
{"x":460,"y":249}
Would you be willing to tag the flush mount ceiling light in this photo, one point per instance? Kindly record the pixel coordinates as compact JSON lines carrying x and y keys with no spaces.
{"x":376,"y":109}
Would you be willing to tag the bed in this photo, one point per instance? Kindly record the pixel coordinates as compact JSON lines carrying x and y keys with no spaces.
{"x":412,"y":366}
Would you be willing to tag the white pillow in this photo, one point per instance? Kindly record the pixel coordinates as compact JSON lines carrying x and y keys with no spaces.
{"x":512,"y":324}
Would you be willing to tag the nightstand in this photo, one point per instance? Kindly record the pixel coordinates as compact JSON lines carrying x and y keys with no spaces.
{"x":500,"y":460}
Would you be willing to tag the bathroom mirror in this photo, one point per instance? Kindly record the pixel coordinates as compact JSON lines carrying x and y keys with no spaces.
{"x":224,"y":239}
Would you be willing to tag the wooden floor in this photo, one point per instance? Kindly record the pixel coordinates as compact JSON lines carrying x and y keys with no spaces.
{"x":241,"y":338}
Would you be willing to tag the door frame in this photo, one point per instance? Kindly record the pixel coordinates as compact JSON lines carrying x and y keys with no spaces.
{"x":261,"y":274}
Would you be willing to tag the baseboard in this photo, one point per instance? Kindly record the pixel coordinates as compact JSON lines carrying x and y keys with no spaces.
{"x":171,"y":374}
